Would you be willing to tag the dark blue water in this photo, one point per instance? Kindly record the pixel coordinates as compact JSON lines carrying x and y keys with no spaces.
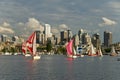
{"x":59,"y":67}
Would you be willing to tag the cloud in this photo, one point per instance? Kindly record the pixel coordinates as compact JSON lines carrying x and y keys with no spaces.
{"x":6,"y":30}
{"x":107,"y":22}
{"x":5,"y":24}
{"x":55,"y":30}
{"x":63,"y":27}
{"x":34,"y":24}
{"x":20,"y":24}
{"x":114,"y":4}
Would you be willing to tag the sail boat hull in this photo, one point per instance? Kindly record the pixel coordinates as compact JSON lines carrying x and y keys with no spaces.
{"x":92,"y":54}
{"x":92,"y":51}
{"x":36,"y":57}
{"x":27,"y":55}
{"x":72,"y":56}
{"x":113,"y":53}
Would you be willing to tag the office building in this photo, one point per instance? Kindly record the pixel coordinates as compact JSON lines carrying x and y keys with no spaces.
{"x":47,"y":31}
{"x":96,"y":40}
{"x":80,"y":33}
{"x":107,"y":38}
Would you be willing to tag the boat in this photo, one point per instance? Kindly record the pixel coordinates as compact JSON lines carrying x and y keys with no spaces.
{"x":27,"y":55}
{"x":74,"y":53}
{"x":113,"y":53}
{"x":91,"y":51}
{"x":7,"y":53}
{"x":70,"y":50}
{"x":31,"y":46}
{"x":99,"y":52}
{"x":80,"y":51}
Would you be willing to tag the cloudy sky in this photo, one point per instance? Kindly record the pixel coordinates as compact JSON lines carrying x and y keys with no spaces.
{"x":24,"y":16}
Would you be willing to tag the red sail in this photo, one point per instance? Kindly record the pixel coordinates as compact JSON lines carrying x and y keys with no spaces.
{"x":24,"y":47}
{"x":69,"y":48}
{"x":30,"y":41}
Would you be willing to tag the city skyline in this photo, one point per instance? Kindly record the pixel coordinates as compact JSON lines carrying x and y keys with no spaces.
{"x":22,"y":17}
{"x":65,"y":35}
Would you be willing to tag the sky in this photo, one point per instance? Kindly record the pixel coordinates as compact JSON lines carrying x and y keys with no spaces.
{"x":21,"y":17}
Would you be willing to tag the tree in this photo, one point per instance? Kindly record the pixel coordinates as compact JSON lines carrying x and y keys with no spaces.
{"x":48,"y":46}
{"x":61,"y":50}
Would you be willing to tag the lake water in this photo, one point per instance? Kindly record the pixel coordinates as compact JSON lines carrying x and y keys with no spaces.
{"x":59,"y":67}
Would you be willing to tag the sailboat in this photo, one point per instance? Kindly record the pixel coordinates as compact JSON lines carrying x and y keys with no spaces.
{"x":113,"y":53}
{"x":79,"y":51}
{"x":31,"y":46}
{"x":91,"y":51}
{"x":74,"y":53}
{"x":99,"y":52}
{"x":70,"y":50}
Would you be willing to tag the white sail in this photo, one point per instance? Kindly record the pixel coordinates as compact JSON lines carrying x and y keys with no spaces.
{"x":113,"y":53}
{"x":74,"y":51}
{"x":92,"y":51}
{"x":99,"y":52}
{"x":36,"y":56}
{"x":34,"y":45}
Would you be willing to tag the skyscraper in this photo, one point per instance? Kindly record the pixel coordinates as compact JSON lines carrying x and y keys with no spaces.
{"x":80,"y":33}
{"x":64,"y":36}
{"x":69,"y":34}
{"x":37,"y":37}
{"x":3,"y":38}
{"x":107,"y":38}
{"x":47,"y":31}
{"x":76,"y":40}
{"x":86,"y":39}
{"x":96,"y":40}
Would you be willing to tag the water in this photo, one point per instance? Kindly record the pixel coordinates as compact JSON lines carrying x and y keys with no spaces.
{"x":59,"y":67}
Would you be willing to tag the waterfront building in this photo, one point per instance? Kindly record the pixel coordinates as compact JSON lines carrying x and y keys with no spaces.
{"x":76,"y":40}
{"x":107,"y":38}
{"x":52,"y":39}
{"x":69,"y":35}
{"x":37,"y":36}
{"x":65,"y":36}
{"x":0,"y":39}
{"x":4,"y":38}
{"x":15,"y":38}
{"x":96,"y":40}
{"x":80,"y":33}
{"x":86,"y":39}
{"x":47,"y":31}
{"x":57,"y":40}
{"x":42,"y":38}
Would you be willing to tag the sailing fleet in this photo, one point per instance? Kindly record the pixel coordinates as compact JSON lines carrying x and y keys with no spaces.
{"x":91,"y":51}
{"x":29,"y":49}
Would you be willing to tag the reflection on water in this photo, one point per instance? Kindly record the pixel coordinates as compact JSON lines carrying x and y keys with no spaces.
{"x":70,"y":68}
{"x":59,"y":67}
